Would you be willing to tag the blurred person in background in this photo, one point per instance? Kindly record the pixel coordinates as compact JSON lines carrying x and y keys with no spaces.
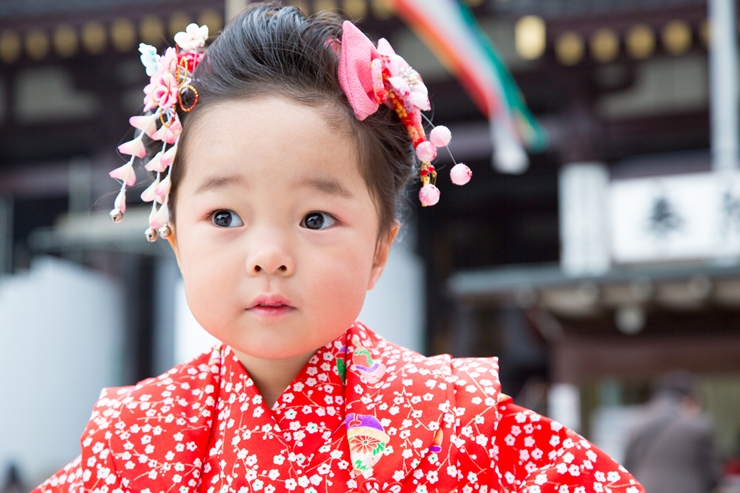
{"x":13,"y":482}
{"x":672,"y":449}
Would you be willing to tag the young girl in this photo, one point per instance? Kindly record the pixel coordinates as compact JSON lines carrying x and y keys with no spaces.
{"x":282,"y":150}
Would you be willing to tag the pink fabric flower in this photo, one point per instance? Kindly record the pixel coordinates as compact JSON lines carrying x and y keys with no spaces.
{"x":148,"y":195}
{"x":162,"y":91}
{"x":133,"y":147}
{"x":404,"y":79}
{"x":155,"y":164}
{"x":168,"y":157}
{"x":460,"y":174}
{"x":168,"y":61}
{"x":158,"y":218}
{"x":169,"y":134}
{"x":125,"y":173}
{"x":163,"y":85}
{"x":428,"y":195}
{"x":163,"y":188}
{"x":145,"y":123}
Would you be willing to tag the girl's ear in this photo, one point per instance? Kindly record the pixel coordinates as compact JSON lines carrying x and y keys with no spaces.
{"x":172,"y":238}
{"x":381,"y":254}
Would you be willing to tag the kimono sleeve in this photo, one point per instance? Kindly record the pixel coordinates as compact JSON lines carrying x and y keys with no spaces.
{"x":67,"y":480}
{"x":534,"y":454}
{"x":94,"y":469}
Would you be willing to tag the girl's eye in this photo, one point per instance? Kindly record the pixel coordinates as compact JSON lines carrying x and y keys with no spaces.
{"x":226,"y":219}
{"x":318,"y":220}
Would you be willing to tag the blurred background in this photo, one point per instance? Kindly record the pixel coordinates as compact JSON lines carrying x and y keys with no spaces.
{"x":612,"y":257}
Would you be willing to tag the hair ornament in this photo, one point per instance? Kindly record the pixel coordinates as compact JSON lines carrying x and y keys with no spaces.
{"x":169,"y":89}
{"x":373,"y":76}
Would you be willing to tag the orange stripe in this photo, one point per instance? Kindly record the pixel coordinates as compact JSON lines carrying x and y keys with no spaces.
{"x":484,"y":97}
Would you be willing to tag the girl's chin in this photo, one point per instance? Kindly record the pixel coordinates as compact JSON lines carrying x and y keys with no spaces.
{"x":274,"y":354}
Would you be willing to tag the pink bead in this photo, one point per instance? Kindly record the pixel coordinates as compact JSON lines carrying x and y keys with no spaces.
{"x":440,"y":136}
{"x":460,"y":174}
{"x":426,"y":152}
{"x":429,"y":195}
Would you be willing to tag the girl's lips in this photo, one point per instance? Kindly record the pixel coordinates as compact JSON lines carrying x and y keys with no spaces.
{"x":271,"y":310}
{"x":270,"y":306}
{"x":269,"y":300}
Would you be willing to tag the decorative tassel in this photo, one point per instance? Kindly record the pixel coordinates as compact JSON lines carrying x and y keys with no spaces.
{"x":168,"y":157}
{"x":125,"y":173}
{"x":155,"y":164}
{"x":133,"y":147}
{"x":151,"y":232}
{"x":163,"y":189}
{"x":149,"y":194}
{"x":120,"y":202}
{"x":170,"y":132}
{"x":160,"y":217}
{"x":145,"y":123}
{"x":119,"y":206}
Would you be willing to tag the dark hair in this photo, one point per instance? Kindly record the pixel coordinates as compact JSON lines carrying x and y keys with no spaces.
{"x":677,"y":383}
{"x":270,"y":49}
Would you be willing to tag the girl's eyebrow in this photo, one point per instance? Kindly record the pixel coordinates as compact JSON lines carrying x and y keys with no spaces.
{"x":328,"y":186}
{"x":220,"y":182}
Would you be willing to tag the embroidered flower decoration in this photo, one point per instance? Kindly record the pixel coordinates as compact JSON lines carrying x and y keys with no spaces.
{"x":149,"y":58}
{"x":168,"y":91}
{"x":193,"y":38}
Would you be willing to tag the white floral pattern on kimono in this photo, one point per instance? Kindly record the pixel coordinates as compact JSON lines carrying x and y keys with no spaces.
{"x":363,"y":415}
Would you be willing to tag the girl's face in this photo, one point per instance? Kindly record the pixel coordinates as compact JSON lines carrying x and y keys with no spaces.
{"x":276,"y":230}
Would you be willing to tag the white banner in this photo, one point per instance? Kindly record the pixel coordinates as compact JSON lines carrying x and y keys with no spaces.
{"x":669,"y":218}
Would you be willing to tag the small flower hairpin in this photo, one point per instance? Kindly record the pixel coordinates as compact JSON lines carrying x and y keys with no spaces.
{"x":373,"y":76}
{"x":169,"y":89}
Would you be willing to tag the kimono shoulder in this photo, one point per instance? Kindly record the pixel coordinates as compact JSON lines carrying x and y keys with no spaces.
{"x":174,"y":411}
{"x":486,"y":442}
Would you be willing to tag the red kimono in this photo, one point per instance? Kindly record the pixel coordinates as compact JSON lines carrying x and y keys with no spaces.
{"x":363,"y":415}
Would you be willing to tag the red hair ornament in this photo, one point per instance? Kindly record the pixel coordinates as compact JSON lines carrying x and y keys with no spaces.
{"x":373,"y":76}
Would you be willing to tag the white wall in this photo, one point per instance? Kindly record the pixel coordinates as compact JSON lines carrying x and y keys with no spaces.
{"x":60,"y":327}
{"x":395,"y":307}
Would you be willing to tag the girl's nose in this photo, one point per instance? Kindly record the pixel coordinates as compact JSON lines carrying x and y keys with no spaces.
{"x":271,"y":256}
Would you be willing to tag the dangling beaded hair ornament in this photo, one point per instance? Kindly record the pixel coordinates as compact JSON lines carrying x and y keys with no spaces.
{"x":373,"y":76}
{"x":169,"y":89}
{"x":368,"y":75}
